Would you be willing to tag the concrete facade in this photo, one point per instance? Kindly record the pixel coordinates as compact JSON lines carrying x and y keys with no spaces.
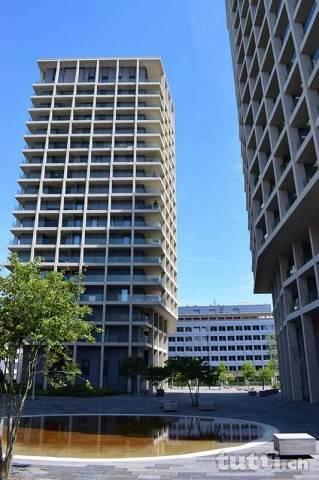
{"x":275,"y":51}
{"x":232,"y":334}
{"x":97,"y":196}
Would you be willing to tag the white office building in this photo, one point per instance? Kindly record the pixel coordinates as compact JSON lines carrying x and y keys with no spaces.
{"x":232,"y":334}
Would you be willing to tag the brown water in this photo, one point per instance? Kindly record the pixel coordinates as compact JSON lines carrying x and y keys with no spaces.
{"x":117,"y":436}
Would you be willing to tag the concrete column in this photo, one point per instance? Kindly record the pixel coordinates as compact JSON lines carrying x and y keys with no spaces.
{"x":285,"y":365}
{"x":294,"y":361}
{"x":310,"y":338}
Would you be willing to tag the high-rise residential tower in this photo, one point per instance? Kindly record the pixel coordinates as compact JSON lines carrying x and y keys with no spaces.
{"x":275,"y":50}
{"x":97,"y":196}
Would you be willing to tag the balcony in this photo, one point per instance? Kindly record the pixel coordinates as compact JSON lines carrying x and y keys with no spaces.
{"x":144,"y":206}
{"x":147,"y":241}
{"x":153,"y":260}
{"x":93,"y":278}
{"x":94,"y":259}
{"x":91,"y":297}
{"x":69,"y":259}
{"x":146,"y":298}
{"x":119,"y":259}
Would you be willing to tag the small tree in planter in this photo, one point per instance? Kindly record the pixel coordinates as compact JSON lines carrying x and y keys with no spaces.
{"x":157,"y":376}
{"x":248,"y":372}
{"x":221,"y":373}
{"x":191,"y":372}
{"x":38,"y":316}
{"x":267,"y":373}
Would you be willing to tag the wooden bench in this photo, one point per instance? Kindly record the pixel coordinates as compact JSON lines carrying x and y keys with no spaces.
{"x":294,"y":444}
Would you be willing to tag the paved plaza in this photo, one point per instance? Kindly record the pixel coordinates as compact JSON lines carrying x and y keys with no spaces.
{"x":286,"y":416}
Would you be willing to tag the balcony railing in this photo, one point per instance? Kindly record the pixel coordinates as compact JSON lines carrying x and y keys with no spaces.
{"x":91,"y":297}
{"x":156,"y":260}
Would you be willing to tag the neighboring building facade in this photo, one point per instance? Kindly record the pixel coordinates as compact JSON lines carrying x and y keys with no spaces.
{"x":232,"y":334}
{"x":97,"y":196}
{"x":275,"y":50}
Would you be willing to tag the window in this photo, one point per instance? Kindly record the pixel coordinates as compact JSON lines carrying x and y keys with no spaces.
{"x":213,"y":338}
{"x":196,"y":329}
{"x":231,"y":347}
{"x":239,"y":337}
{"x":214,"y":348}
{"x":248,"y":347}
{"x":257,"y":347}
{"x":188,"y":349}
{"x":231,"y":338}
{"x":180,"y":349}
{"x":258,"y":357}
{"x":171,"y":349}
{"x":222,"y":338}
{"x":256,"y":337}
{"x":223,"y":358}
{"x":180,"y":339}
{"x":197,"y":349}
{"x":249,"y":357}
{"x":240,"y":347}
{"x":188,"y":329}
{"x":222,"y":329}
{"x":107,"y":74}
{"x":87,"y":74}
{"x":179,"y":329}
{"x":197,"y":339}
{"x":247,"y":327}
{"x":240,"y":358}
{"x":67,"y":75}
{"x":205,"y":348}
{"x":49,"y":75}
{"x":232,"y":358}
{"x":222,"y":347}
{"x":256,"y":327}
{"x":171,"y":339}
{"x":247,"y":337}
{"x":239,"y":327}
{"x":214,"y":358}
{"x":213,"y":328}
{"x":230,"y":328}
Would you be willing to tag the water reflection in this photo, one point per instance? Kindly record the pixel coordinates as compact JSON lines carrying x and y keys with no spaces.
{"x":103,"y":436}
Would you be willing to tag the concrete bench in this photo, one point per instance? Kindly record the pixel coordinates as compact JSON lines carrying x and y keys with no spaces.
{"x":206,"y":406}
{"x":294,"y":444}
{"x":170,"y":406}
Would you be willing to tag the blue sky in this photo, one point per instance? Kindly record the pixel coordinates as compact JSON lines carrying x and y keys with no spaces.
{"x":191,"y":37}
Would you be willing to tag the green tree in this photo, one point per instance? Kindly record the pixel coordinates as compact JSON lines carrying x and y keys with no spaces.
{"x":221,"y":373}
{"x":133,"y":368}
{"x":157,"y":376}
{"x":39,"y":316}
{"x":266,"y":374}
{"x":210,"y":377}
{"x":248,"y":372}
{"x":190,"y":372}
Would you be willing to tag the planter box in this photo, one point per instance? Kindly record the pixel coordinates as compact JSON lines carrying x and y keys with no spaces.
{"x":294,"y":444}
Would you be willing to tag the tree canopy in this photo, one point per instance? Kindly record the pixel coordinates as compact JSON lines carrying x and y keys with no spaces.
{"x":39,"y":316}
